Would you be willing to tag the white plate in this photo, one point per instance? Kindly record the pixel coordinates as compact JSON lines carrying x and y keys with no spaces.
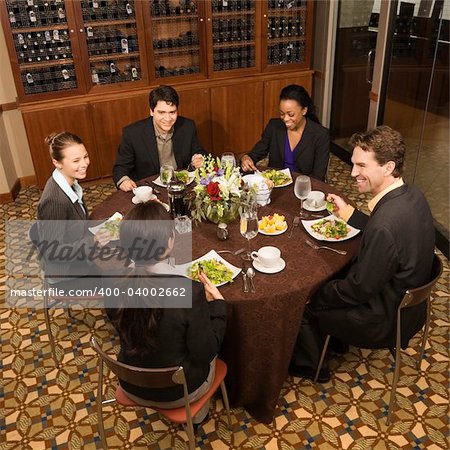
{"x":309,"y":223}
{"x":115,"y":216}
{"x":212,"y":254}
{"x":309,"y":207}
{"x":287,"y":172}
{"x":264,"y":269}
{"x":158,"y":181}
{"x":136,"y":201}
{"x":275,"y":233}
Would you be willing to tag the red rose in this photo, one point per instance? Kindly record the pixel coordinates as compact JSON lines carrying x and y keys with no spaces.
{"x":213,"y":191}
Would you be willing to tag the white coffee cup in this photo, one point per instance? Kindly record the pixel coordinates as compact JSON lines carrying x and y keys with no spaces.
{"x":143,"y":193}
{"x":268,"y":256}
{"x":316,"y":199}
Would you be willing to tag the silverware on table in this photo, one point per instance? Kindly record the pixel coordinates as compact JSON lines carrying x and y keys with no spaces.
{"x":250,"y":275}
{"x":294,"y":224}
{"x":324,"y":247}
{"x":245,"y":281}
{"x":234,"y":253}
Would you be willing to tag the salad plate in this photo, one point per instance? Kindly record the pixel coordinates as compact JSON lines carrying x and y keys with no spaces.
{"x":191,"y":178}
{"x":330,"y":229}
{"x":112,"y":225}
{"x":271,"y":174}
{"x":214,"y":270}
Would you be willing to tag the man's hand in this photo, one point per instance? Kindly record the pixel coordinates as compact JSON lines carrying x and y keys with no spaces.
{"x":196,"y":161}
{"x":212,"y":293}
{"x":338,"y":203}
{"x":127,"y":185}
{"x":247,"y":164}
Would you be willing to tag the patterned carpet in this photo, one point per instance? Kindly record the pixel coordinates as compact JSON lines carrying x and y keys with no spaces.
{"x":43,"y":407}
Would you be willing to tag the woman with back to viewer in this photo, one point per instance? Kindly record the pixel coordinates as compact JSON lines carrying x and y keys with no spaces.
{"x":296,"y":140}
{"x":154,"y":336}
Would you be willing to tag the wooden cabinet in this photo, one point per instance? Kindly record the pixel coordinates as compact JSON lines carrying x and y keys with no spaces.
{"x":237,"y":117}
{"x":87,"y":66}
{"x":40,"y":124}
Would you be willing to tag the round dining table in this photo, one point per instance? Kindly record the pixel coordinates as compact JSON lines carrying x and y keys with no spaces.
{"x":262,"y":327}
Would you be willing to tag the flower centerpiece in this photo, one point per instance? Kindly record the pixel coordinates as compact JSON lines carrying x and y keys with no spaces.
{"x":219,"y":193}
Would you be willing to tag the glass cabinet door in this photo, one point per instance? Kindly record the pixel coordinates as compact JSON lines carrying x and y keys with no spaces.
{"x":41,"y":32}
{"x":176,"y":38}
{"x":233,"y":26}
{"x":115,"y":49}
{"x":288,"y":24}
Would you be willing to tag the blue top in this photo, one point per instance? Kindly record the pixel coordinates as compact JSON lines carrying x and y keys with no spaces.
{"x":75,"y":193}
{"x":289,"y":155}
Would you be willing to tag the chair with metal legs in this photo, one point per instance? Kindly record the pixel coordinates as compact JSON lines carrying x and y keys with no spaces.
{"x":156,"y":378}
{"x":412,"y":297}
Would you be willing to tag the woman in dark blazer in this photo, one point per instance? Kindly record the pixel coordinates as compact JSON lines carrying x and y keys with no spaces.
{"x":154,"y":334}
{"x":296,"y":140}
{"x":62,"y":213}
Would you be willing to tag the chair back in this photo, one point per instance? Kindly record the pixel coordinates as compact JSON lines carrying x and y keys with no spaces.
{"x":139,"y":376}
{"x":420,"y":294}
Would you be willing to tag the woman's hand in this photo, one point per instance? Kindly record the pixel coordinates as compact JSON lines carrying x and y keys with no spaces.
{"x":338,"y":203}
{"x":102,"y":237}
{"x":212,"y":293}
{"x":247,"y":164}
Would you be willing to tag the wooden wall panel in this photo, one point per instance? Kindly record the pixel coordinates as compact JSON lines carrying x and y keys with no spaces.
{"x":195,"y":104}
{"x":108,"y":119}
{"x":237,"y":117}
{"x":40,"y":124}
{"x":272,"y":89}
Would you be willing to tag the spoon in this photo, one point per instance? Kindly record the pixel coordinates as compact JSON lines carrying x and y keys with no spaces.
{"x":251,"y":274}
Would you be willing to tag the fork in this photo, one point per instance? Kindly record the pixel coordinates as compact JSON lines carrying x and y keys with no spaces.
{"x":235,"y":253}
{"x":318,"y":247}
{"x":294,"y":224}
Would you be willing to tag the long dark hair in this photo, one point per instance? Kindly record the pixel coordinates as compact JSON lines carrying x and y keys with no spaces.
{"x":137,"y":320}
{"x":301,"y":96}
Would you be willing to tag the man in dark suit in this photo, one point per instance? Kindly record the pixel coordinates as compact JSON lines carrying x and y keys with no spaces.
{"x":162,"y":138}
{"x":396,"y":254}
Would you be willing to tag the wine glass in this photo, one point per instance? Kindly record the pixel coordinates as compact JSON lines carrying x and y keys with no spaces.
{"x":249,"y":226}
{"x":228,"y":157}
{"x":302,"y":189}
{"x":166,"y":173}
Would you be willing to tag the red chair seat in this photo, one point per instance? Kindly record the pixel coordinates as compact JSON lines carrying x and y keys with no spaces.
{"x":178,"y":415}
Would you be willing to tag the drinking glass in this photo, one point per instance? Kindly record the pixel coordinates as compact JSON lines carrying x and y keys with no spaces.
{"x":228,"y":157}
{"x":302,"y":189}
{"x":249,"y":226}
{"x":166,"y":173}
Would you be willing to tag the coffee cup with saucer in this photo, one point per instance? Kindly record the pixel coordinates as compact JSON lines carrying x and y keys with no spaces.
{"x":315,"y":201}
{"x":143,"y":194}
{"x":268,"y":260}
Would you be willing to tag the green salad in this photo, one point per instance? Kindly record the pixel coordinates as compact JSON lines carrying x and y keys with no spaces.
{"x":216,"y":271}
{"x":331,"y":228}
{"x":278,"y":177}
{"x":182,"y":175}
{"x":330,"y":206}
{"x":113,"y":227}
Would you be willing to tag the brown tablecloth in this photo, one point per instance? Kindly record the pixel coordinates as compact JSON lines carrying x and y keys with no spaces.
{"x":262,"y":327}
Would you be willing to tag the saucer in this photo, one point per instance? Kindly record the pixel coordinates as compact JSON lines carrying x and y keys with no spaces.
{"x":309,"y":207}
{"x":264,"y":269}
{"x":136,"y":201}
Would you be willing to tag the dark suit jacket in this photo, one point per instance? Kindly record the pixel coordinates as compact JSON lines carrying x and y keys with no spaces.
{"x":310,"y":156}
{"x":396,"y":253}
{"x":137,"y":155}
{"x":190,"y":337}
{"x":64,"y":224}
